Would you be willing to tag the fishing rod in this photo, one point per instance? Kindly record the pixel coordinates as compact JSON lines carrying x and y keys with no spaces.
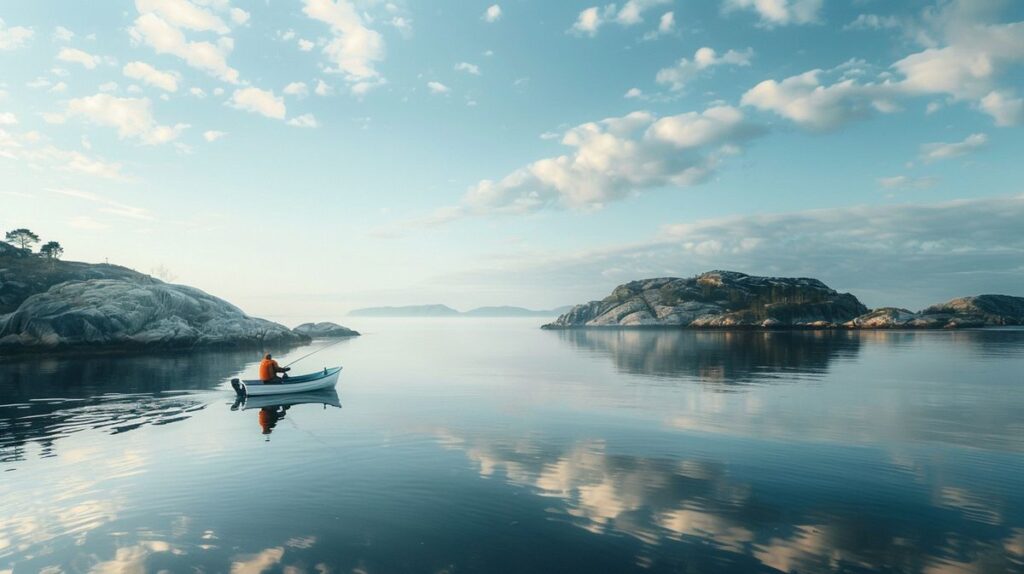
{"x":314,"y":352}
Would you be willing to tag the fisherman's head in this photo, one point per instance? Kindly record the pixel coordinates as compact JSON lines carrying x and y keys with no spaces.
{"x":267,"y":356}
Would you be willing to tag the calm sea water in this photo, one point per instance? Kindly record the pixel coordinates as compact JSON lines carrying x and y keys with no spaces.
{"x":492,"y":446}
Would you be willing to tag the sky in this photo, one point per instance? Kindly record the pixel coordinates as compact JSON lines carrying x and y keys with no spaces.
{"x":302,"y":158}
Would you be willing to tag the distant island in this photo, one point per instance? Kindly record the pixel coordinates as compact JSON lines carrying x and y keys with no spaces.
{"x":729,"y":299}
{"x":438,"y":310}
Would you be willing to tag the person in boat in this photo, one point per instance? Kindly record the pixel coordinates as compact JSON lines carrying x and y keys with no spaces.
{"x":269,"y":370}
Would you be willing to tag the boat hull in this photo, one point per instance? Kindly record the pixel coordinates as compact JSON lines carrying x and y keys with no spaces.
{"x":301,"y":384}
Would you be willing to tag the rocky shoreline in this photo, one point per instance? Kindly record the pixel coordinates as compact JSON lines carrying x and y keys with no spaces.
{"x":51,"y":306}
{"x":733,"y":300}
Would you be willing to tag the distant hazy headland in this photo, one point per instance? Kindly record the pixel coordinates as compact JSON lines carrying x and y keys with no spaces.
{"x":437,"y":310}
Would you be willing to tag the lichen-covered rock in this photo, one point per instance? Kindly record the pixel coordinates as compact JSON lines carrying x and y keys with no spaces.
{"x":964,"y":312}
{"x":989,"y":310}
{"x":24,"y":276}
{"x":124,"y":314}
{"x":325,"y":330}
{"x":882,"y":318}
{"x":718,"y":299}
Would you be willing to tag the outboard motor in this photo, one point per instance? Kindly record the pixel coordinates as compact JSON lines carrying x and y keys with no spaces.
{"x":237,"y":385}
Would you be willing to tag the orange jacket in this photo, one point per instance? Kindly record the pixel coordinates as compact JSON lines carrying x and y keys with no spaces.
{"x":268,"y":368}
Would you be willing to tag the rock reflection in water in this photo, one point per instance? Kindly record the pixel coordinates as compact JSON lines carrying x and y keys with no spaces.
{"x":723,"y":357}
{"x":43,"y":400}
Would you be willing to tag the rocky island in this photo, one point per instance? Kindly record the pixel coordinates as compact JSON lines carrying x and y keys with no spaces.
{"x":47,"y":304}
{"x":325,"y":330}
{"x":729,"y":299}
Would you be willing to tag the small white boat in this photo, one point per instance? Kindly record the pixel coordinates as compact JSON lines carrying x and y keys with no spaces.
{"x":325,"y":379}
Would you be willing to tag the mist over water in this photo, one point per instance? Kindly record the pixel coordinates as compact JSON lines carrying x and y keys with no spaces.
{"x":492,"y":446}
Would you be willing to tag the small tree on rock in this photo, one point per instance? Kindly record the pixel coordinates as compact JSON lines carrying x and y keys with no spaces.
{"x":51,"y":250}
{"x":23,"y":238}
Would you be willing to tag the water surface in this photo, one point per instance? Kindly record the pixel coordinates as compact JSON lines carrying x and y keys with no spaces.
{"x":491,"y":446}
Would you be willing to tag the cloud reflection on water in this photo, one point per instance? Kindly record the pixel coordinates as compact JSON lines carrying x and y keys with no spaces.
{"x":805,"y":528}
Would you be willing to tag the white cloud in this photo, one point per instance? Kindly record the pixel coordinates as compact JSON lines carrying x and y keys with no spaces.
{"x":667,"y":23}
{"x":677,"y":76}
{"x":873,"y":22}
{"x":133,"y":118}
{"x":778,"y":12}
{"x":492,"y":14}
{"x":146,"y":73}
{"x":305,"y":45}
{"x":77,"y":56}
{"x":1006,"y":109}
{"x":8,"y":119}
{"x":110,"y":206}
{"x":354,"y":49}
{"x":633,"y":93}
{"x":964,"y":70}
{"x":938,"y":151}
{"x":26,"y":147}
{"x":62,"y":34}
{"x":183,"y":14}
{"x":14,"y":37}
{"x":197,"y":92}
{"x":213,"y":135}
{"x":402,"y":23}
{"x":468,"y":68}
{"x":53,"y":118}
{"x":259,"y":101}
{"x":806,"y":101}
{"x":296,"y":89}
{"x":715,"y":126}
{"x":589,"y":20}
{"x":632,"y":11}
{"x":81,"y":163}
{"x":304,"y":121}
{"x":907,"y":182}
{"x":616,"y":157}
{"x":438,"y":88}
{"x":166,"y":38}
{"x":964,"y":62}
{"x":239,"y":16}
{"x":86,"y":223}
{"x":322,"y":88}
{"x":59,"y":88}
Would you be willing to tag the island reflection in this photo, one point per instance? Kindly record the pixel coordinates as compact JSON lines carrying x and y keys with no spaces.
{"x":44,"y":400}
{"x":717,"y":357}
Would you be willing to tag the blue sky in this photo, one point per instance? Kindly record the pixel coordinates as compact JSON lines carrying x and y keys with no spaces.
{"x":305,"y":157}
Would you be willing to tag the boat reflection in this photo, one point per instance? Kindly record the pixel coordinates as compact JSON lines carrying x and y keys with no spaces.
{"x":273,"y":408}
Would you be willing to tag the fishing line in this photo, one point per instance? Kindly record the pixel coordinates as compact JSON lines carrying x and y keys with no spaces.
{"x":315,"y":352}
